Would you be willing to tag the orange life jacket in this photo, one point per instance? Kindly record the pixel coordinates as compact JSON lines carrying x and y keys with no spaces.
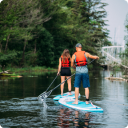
{"x":65,"y":63}
{"x":80,"y":58}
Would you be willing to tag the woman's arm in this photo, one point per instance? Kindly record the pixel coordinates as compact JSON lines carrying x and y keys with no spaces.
{"x":59,"y":66}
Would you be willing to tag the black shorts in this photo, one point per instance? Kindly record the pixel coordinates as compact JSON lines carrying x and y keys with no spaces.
{"x":65,"y":71}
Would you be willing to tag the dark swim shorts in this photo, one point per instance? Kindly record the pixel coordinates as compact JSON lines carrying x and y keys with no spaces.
{"x":84,"y":77}
{"x":65,"y":71}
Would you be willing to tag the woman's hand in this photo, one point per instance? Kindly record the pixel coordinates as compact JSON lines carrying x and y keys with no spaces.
{"x":58,"y":73}
{"x":74,"y":67}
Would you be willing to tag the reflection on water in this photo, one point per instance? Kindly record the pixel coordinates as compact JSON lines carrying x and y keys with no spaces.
{"x":19,"y":106}
{"x":78,"y":122}
{"x":64,"y":117}
{"x":68,"y":117}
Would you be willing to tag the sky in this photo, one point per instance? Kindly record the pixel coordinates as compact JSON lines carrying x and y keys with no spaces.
{"x":117,"y":11}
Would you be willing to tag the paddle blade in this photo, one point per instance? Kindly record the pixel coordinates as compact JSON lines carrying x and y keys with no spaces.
{"x":46,"y":94}
{"x":42,"y":94}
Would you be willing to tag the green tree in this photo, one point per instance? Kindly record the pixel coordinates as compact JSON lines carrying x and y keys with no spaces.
{"x":90,"y":28}
{"x":21,"y":18}
{"x":43,"y":29}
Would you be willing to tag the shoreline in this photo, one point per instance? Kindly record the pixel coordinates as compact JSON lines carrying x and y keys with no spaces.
{"x":20,"y":71}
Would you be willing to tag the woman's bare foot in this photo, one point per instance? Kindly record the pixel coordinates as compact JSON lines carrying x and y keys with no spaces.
{"x":76,"y":102}
{"x":69,"y":93}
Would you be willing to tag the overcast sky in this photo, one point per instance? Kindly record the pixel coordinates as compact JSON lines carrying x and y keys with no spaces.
{"x":117,"y":10}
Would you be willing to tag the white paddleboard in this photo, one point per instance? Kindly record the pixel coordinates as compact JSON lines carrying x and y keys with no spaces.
{"x":65,"y":95}
{"x":80,"y":106}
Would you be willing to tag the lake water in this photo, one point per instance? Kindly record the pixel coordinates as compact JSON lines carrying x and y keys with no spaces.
{"x":19,"y":107}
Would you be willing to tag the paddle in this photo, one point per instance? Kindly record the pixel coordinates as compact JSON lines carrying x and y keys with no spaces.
{"x":43,"y":96}
{"x":93,"y":105}
{"x":47,"y":88}
{"x":91,"y":62}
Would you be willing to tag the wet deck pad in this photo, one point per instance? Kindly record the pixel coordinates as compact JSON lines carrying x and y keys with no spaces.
{"x":65,"y":95}
{"x":80,"y":106}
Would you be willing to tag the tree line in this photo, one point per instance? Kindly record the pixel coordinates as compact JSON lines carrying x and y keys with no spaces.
{"x":35,"y":32}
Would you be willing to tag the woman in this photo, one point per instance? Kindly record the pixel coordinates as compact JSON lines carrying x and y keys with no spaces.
{"x":64,"y":67}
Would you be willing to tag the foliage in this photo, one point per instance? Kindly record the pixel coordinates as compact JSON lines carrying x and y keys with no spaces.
{"x":45,"y":48}
{"x":10,"y":56}
{"x":90,"y":28}
{"x":36,"y":32}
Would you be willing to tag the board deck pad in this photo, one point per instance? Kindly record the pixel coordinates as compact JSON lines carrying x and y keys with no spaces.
{"x":80,"y":106}
{"x":65,"y":95}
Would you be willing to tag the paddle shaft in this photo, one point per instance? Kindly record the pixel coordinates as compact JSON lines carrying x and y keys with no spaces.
{"x":51,"y":83}
{"x":91,"y":62}
{"x":63,"y":82}
{"x":48,"y":87}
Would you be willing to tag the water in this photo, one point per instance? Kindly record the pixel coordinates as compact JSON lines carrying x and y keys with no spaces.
{"x":19,"y":107}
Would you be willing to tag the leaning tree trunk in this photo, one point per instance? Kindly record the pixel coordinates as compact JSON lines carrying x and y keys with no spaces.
{"x":0,"y":47}
{"x":34,"y":59}
{"x":7,"y":42}
{"x":23,"y":56}
{"x":35,"y":48}
{"x":6,"y":46}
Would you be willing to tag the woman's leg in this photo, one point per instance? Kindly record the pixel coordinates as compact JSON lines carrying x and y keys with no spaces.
{"x":62,"y":85}
{"x":69,"y":85}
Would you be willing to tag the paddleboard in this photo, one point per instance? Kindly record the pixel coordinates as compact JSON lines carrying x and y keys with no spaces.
{"x":65,"y":95}
{"x":80,"y":106}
